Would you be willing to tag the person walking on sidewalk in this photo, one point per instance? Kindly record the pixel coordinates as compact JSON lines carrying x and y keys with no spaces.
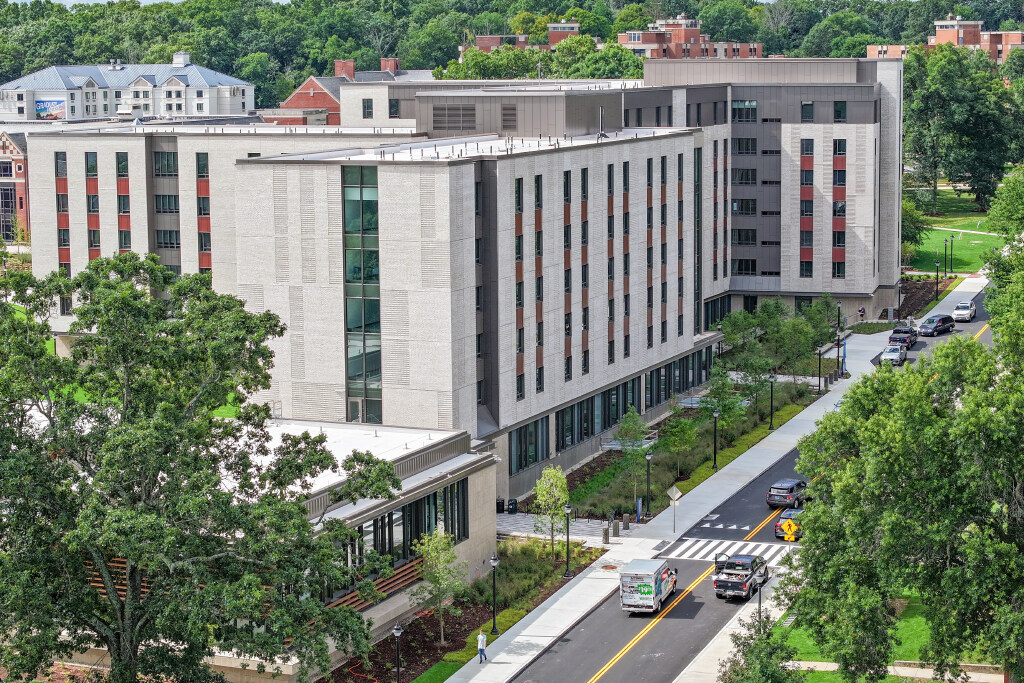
{"x":481,"y":646}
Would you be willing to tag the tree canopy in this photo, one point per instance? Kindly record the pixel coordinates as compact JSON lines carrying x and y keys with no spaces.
{"x":116,"y":471}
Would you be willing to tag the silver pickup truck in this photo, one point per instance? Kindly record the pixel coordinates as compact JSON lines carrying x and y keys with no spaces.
{"x":739,"y":576}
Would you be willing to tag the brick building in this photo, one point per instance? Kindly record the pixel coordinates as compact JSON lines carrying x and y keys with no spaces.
{"x":963,"y":33}
{"x":14,"y":211}
{"x":680,"y":38}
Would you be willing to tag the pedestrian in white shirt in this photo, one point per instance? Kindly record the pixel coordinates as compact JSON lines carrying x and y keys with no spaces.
{"x":481,"y":646}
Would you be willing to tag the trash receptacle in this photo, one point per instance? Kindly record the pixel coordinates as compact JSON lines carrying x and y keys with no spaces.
{"x":501,"y":506}
{"x":513,"y":506}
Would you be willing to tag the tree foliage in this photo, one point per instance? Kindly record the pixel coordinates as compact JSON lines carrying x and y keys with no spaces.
{"x":678,"y":434}
{"x":115,"y":471}
{"x":759,"y":655}
{"x":550,"y":496}
{"x":442,"y":573}
{"x":631,"y":433}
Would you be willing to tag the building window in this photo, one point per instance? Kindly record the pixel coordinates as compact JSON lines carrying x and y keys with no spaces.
{"x":567,"y":187}
{"x":63,"y":237}
{"x":745,"y":146}
{"x":611,"y":310}
{"x":839,"y":178}
{"x":839,"y":270}
{"x":202,"y":206}
{"x":199,"y":93}
{"x":165,"y":164}
{"x":807,"y":112}
{"x":199,"y":106}
{"x":62,"y":203}
{"x":625,"y":305}
{"x":539,"y":288}
{"x":744,"y":207}
{"x":165,"y":203}
{"x":65,"y":302}
{"x":625,"y":346}
{"x":122,"y":164}
{"x":519,"y":247}
{"x":806,"y":238}
{"x":585,"y":365}
{"x":806,"y":208}
{"x":519,"y":295}
{"x":92,"y":203}
{"x":367,"y":108}
{"x":168,"y":239}
{"x":566,"y":237}
{"x":520,"y":339}
{"x":839,"y":239}
{"x":520,"y":387}
{"x":650,"y":172}
{"x":124,"y":204}
{"x":806,"y":269}
{"x":806,"y":177}
{"x":839,"y":209}
{"x":625,"y":222}
{"x":585,"y":233}
{"x":91,"y":168}
{"x":650,"y":336}
{"x":744,"y":111}
{"x":744,"y":176}
{"x":124,"y":240}
{"x":568,"y":368}
{"x":538,"y":192}
{"x":744,"y":266}
{"x":744,"y":237}
{"x":611,"y":352}
{"x":527,"y":445}
{"x":625,"y":265}
{"x":393,"y":109}
{"x":519,"y":195}
{"x":839,"y":112}
{"x":60,"y":162}
{"x":202,"y":165}
{"x":585,"y":273}
{"x":625,"y":177}
{"x":540,"y":334}
{"x":806,"y":147}
{"x":839,"y":148}
{"x":204,"y":242}
{"x":586,"y":318}
{"x":584,"y":184}
{"x":538,"y":244}
{"x":539,"y":383}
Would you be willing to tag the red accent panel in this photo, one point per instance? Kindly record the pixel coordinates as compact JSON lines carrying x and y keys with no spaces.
{"x":122,"y":185}
{"x":806,"y":163}
{"x":539,"y":356}
{"x":203,"y":187}
{"x":62,"y":185}
{"x":124,"y":251}
{"x":806,"y":192}
{"x":838,"y":254}
{"x":839,"y":163}
{"x":519,"y":224}
{"x":94,"y":254}
{"x":583,"y":210}
{"x":124,"y":221}
{"x":92,"y":185}
{"x":64,"y":255}
{"x":63,"y":220}
{"x":92,"y":221}
{"x":806,"y":253}
{"x":807,"y":222}
{"x":839,"y":224}
{"x":204,"y":223}
{"x":205,"y":258}
{"x":839,"y":194}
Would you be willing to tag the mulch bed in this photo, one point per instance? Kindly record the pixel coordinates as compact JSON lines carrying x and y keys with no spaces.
{"x":917,"y":294}
{"x":60,"y":673}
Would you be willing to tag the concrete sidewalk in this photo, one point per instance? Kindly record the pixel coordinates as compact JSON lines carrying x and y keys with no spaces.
{"x":515,"y":649}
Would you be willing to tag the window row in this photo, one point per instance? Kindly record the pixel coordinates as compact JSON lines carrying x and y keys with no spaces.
{"x":838,"y":269}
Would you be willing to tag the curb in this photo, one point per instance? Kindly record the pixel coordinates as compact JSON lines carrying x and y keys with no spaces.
{"x":970,"y":668}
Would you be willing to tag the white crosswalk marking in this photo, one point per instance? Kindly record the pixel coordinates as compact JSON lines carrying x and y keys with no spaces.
{"x":704,"y":550}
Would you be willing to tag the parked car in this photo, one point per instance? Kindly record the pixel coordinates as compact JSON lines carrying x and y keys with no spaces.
{"x":788,"y":514}
{"x":787,"y":493}
{"x":935,"y":325}
{"x":738,"y":576}
{"x":965,"y":311}
{"x":903,"y":334}
{"x":894,"y":353}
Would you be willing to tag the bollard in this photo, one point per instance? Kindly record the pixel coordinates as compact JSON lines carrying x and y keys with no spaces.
{"x":615,"y":528}
{"x":625,"y":522}
{"x":604,"y":535}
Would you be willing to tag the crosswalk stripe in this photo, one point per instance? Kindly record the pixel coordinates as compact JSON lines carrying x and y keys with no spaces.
{"x":703,"y":549}
{"x":695,"y":549}
{"x":686,"y":547}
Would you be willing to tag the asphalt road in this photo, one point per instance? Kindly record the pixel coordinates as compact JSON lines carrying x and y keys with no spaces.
{"x":977,"y":328}
{"x":610,"y":645}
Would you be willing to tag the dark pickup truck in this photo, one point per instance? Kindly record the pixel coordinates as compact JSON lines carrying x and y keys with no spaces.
{"x":907,"y":336}
{"x":739,"y":576}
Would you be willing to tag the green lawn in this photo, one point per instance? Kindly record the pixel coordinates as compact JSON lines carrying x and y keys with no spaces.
{"x":968,"y":251}
{"x":954,"y":212}
{"x":834,"y":677}
{"x":871,"y":327}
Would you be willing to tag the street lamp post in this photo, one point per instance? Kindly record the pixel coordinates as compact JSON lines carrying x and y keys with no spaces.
{"x":714,"y":462}
{"x":899,"y":300}
{"x":952,"y":241}
{"x":568,"y":572}
{"x":839,"y":339}
{"x":494,"y":593}
{"x":397,"y":632}
{"x":719,"y":326}
{"x":648,"y":455}
{"x":771,"y":406}
{"x":945,"y":267}
{"x":819,"y":371}
{"x":936,"y":280}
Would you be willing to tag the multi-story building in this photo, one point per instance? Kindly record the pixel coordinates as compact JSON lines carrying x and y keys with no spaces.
{"x":557,"y":32}
{"x":962,"y":33}
{"x":103,"y":91}
{"x":528,"y":263}
{"x":14,"y":214}
{"x":680,"y":38}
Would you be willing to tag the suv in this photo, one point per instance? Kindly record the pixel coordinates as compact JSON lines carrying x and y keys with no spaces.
{"x":787,"y":493}
{"x":904,"y":334}
{"x":965,"y":311}
{"x":935,"y":325}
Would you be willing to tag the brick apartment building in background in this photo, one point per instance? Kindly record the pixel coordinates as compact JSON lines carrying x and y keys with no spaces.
{"x":680,"y":38}
{"x":557,"y":32}
{"x":14,"y":212}
{"x":962,"y":33}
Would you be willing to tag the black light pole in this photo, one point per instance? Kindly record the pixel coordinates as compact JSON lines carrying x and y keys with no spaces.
{"x":819,"y":371}
{"x":648,"y":455}
{"x":494,"y":593}
{"x":899,"y":300}
{"x":719,"y":326}
{"x":771,"y":414}
{"x":945,"y":268}
{"x":839,"y":340}
{"x":936,"y":280}
{"x":714,"y":463}
{"x":952,"y":241}
{"x":568,"y":572}
{"x":397,"y":632}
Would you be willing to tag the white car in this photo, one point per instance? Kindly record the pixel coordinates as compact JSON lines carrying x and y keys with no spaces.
{"x":895,"y":354}
{"x":964,"y":312}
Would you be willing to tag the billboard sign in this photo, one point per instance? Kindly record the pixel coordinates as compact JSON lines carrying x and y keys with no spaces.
{"x":51,"y":110}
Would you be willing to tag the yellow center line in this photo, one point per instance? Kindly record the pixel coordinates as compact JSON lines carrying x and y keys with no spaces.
{"x":654,"y":622}
{"x":661,"y":615}
{"x":981,"y":332}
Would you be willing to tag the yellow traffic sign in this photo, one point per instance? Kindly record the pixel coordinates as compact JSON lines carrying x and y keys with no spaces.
{"x":790,"y":528}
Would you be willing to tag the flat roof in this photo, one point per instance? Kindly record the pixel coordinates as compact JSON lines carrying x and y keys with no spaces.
{"x":228,"y":129}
